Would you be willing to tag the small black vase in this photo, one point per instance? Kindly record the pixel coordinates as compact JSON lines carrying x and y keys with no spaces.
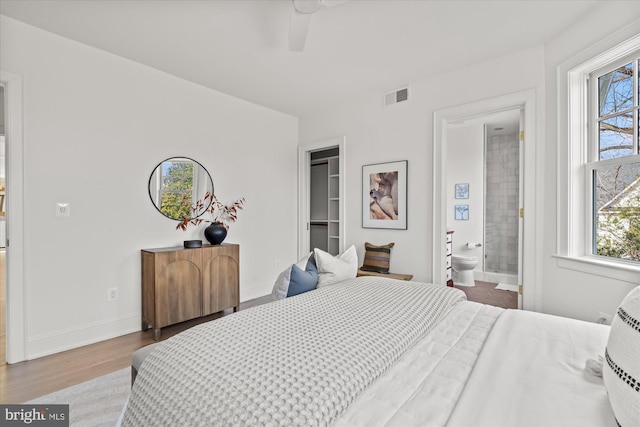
{"x":215,"y":233}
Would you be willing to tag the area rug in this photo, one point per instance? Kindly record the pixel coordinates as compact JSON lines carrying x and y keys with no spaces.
{"x":97,"y":402}
{"x":507,"y":287}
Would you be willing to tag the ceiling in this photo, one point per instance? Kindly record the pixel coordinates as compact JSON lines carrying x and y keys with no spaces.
{"x":504,"y":123}
{"x":240,"y":47}
{"x":498,"y":123}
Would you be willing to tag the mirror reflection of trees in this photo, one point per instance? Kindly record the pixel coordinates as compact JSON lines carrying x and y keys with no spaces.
{"x":177,"y":187}
{"x":176,"y":184}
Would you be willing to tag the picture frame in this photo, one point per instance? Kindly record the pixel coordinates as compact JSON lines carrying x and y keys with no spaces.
{"x":462,"y":191}
{"x":384,"y":195}
{"x":461,"y":212}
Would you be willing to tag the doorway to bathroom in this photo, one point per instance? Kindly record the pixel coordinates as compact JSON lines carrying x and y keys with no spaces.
{"x":502,"y":182}
{"x":472,"y":192}
{"x":483,"y":205}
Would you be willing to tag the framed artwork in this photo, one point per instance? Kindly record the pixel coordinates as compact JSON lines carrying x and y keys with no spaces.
{"x":462,"y":191}
{"x":462,"y":212}
{"x":384,"y":195}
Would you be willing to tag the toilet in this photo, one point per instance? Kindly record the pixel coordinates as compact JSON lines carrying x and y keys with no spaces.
{"x":464,"y":265}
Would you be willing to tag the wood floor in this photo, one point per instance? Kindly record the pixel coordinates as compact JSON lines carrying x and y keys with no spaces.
{"x":24,"y":381}
{"x":486,"y":293}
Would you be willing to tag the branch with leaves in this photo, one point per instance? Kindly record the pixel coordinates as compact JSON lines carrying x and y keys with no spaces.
{"x":219,"y":212}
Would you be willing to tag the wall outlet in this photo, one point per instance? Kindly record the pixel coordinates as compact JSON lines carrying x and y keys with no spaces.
{"x":112,"y":294}
{"x":63,"y":209}
{"x":604,"y":318}
{"x":277,"y":263}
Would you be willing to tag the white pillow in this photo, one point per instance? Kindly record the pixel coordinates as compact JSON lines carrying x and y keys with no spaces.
{"x":336,"y":269}
{"x":621,"y":368}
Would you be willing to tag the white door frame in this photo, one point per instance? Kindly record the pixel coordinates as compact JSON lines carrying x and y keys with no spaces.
{"x":521,"y":182}
{"x":531,"y":244}
{"x":16,"y":301}
{"x":304,"y":163}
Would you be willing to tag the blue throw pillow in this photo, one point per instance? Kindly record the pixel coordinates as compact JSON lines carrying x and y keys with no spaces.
{"x":303,"y":281}
{"x":297,"y":278}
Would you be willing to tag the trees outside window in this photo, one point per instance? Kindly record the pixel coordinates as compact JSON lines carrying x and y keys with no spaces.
{"x":614,"y":168}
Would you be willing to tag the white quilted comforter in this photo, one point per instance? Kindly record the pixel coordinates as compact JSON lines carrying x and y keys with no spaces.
{"x":423,"y":387}
{"x":298,"y":361}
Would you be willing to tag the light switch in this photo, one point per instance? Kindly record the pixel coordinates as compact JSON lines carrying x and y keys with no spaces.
{"x":63,"y":209}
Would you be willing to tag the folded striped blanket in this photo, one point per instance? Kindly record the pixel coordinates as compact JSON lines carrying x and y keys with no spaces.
{"x":297,"y":361}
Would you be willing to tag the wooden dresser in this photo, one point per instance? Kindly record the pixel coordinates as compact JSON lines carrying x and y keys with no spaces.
{"x":180,"y":284}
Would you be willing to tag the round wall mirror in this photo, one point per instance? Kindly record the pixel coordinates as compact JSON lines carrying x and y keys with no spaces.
{"x":175,"y":186}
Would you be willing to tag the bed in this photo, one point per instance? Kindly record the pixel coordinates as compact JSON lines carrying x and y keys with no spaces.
{"x":372,"y":351}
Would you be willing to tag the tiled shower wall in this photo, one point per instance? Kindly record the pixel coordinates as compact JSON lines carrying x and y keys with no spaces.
{"x":501,"y":204}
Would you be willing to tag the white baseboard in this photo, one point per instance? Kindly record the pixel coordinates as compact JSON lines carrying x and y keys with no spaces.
{"x":252,"y":292}
{"x":70,"y":338}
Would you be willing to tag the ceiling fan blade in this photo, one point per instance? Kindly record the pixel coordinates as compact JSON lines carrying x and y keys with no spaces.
{"x":331,"y":3}
{"x":307,"y":6}
{"x":298,"y":30}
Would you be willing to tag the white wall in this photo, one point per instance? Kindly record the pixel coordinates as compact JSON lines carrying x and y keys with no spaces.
{"x":95,"y":126}
{"x":375,"y":135}
{"x":405,"y":132}
{"x":465,"y":164}
{"x":569,"y":292}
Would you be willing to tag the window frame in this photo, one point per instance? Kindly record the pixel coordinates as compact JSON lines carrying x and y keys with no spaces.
{"x":575,"y":216}
{"x":592,"y":162}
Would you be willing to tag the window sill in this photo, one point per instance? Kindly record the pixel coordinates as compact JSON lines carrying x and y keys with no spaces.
{"x":591,"y":265}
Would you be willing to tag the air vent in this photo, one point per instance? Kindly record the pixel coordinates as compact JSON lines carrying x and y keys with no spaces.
{"x":399,"y":95}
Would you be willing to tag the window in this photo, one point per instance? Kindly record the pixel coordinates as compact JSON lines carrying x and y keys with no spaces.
{"x":598,"y":159}
{"x":613,"y":162}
